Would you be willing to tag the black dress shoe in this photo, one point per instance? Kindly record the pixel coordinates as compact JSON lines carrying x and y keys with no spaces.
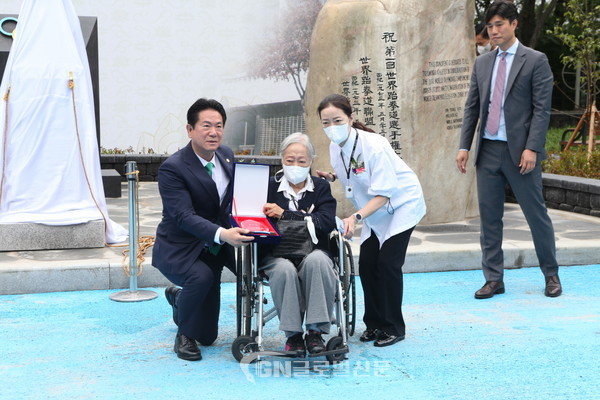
{"x":553,"y":286}
{"x":369,"y":335}
{"x":489,"y":290}
{"x":171,"y":294}
{"x":385,"y":339}
{"x":186,"y":348}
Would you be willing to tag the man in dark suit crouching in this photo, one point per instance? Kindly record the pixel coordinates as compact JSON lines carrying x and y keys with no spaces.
{"x":194,"y":239}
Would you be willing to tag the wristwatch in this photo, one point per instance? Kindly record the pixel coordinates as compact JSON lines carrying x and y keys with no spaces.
{"x":358,"y":217}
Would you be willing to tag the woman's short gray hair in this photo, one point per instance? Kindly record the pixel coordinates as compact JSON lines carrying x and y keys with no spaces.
{"x":298,"y":137}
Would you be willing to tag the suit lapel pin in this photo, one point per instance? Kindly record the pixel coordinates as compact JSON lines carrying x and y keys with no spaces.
{"x":227,"y":159}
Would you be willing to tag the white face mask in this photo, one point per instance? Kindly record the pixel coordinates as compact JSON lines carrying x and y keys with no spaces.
{"x":295,"y":174}
{"x":484,"y":49}
{"x":337,"y":133}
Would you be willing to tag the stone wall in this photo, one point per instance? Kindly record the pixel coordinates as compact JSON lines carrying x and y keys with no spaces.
{"x":569,"y":193}
{"x":148,"y":164}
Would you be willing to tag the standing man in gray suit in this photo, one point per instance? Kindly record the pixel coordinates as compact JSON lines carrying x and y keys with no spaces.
{"x":510,"y":95}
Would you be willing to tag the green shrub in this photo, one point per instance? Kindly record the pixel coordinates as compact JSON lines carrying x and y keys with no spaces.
{"x":574,"y":163}
{"x":128,"y":150}
{"x":553,"y":138}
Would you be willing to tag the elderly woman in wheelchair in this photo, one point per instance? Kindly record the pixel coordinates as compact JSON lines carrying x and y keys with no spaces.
{"x":303,"y":287}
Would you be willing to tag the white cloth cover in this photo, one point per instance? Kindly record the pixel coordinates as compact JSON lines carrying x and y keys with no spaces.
{"x":44,"y":180}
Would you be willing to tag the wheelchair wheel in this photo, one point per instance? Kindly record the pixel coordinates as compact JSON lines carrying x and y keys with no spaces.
{"x":349,"y":289}
{"x":243,"y":345}
{"x":335,"y":343}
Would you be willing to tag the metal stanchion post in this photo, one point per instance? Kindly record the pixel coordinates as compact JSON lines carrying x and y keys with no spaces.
{"x":133,"y":294}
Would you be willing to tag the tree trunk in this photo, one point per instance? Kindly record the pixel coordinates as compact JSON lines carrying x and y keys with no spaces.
{"x":527,"y":21}
{"x":532,"y":20}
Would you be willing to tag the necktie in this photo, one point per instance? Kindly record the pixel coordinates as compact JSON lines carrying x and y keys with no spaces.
{"x":493,"y":120}
{"x":214,"y":249}
{"x":209,"y":168}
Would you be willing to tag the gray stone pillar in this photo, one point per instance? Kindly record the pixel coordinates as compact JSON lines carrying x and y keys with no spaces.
{"x":405,"y":65}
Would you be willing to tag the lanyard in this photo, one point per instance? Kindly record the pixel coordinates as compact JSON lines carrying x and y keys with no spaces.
{"x":351,"y":155}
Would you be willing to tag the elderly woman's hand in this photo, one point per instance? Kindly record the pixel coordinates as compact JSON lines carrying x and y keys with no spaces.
{"x":272,"y":210}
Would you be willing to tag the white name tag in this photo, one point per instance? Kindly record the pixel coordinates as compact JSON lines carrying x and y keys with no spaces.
{"x":349,"y":192}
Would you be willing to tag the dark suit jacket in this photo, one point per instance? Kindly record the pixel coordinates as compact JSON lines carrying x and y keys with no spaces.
{"x":528,"y":97}
{"x":323,"y":214}
{"x":192,"y":212}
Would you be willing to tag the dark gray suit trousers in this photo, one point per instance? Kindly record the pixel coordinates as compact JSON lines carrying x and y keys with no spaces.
{"x":494,"y":169}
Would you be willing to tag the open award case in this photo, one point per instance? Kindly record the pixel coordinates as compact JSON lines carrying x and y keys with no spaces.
{"x":250,"y":190}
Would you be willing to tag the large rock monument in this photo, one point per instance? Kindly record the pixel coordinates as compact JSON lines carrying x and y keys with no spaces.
{"x":405,"y":65}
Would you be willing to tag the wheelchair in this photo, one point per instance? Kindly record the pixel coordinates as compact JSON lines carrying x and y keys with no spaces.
{"x":252,"y":313}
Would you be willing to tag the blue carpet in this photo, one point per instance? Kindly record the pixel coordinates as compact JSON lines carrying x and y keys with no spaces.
{"x":518,"y":345}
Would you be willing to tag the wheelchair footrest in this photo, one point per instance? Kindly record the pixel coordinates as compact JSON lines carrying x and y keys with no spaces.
{"x":251,"y":357}
{"x":342,"y":350}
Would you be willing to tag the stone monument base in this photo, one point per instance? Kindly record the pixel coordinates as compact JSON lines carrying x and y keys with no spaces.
{"x":30,"y":236}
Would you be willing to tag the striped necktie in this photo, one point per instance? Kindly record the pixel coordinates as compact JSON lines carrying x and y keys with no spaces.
{"x":493,"y":121}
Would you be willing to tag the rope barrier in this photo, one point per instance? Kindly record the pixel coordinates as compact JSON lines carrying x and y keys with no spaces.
{"x":72,"y":87}
{"x":6,"y":96}
{"x":144,"y":242}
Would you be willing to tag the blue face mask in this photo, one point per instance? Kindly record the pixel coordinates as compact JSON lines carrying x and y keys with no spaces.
{"x":337,"y":133}
{"x":295,"y":174}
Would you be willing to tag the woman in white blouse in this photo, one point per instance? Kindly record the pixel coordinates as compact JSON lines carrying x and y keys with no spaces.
{"x":389,"y":202}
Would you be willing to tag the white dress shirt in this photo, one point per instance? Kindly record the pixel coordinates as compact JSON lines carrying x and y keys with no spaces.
{"x":290,"y":194}
{"x":222,"y":181}
{"x":510,"y":56}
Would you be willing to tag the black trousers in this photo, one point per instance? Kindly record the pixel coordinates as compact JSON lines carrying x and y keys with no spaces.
{"x":199,"y":301}
{"x":381,"y":277}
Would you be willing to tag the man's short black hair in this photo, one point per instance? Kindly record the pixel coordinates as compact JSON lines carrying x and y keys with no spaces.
{"x":504,"y":9}
{"x":204,"y":104}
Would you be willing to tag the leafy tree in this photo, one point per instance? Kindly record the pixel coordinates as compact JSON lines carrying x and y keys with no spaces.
{"x":533,"y":14}
{"x":481,"y":7}
{"x":581,"y":34}
{"x":532,"y":19}
{"x":286,"y":56}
